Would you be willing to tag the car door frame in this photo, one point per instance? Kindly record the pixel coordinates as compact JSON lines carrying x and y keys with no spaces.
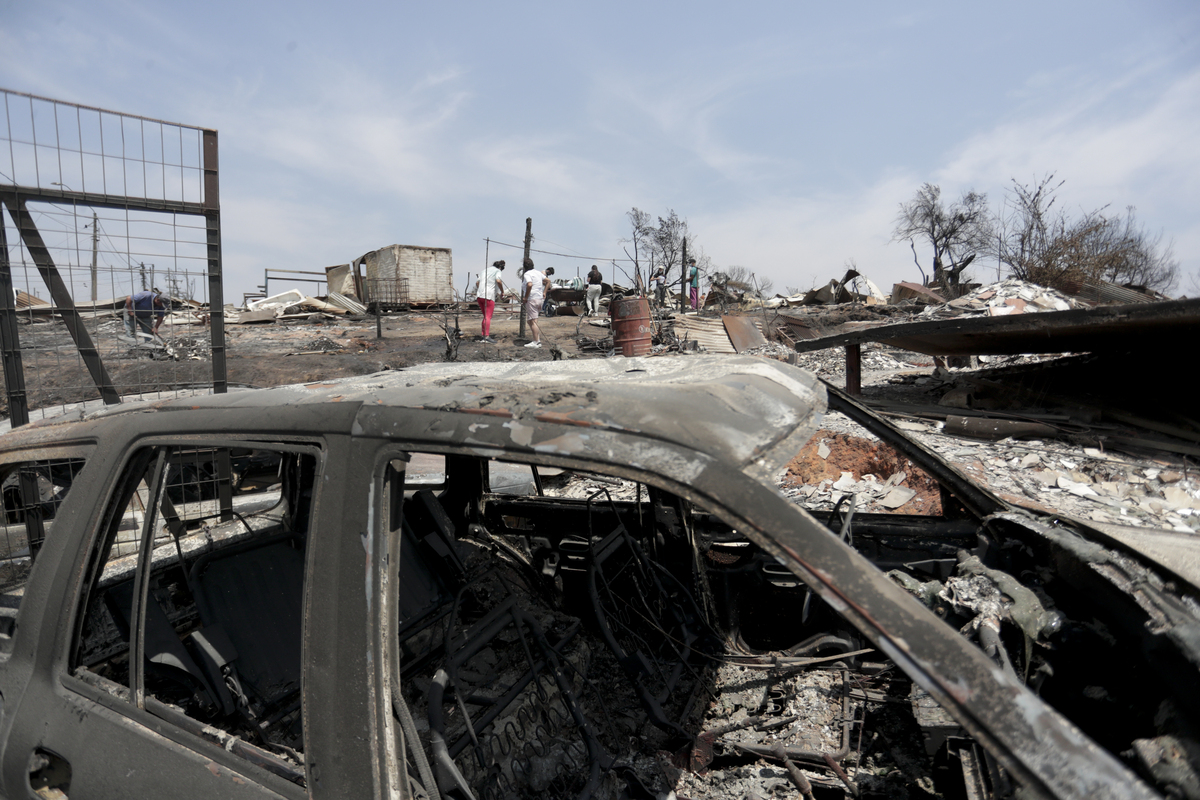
{"x":55,"y":709}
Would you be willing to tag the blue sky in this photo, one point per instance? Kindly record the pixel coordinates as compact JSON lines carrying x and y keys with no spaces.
{"x":785,"y":133}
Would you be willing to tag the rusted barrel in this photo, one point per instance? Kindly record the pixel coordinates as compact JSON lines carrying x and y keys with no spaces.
{"x":631,"y":326}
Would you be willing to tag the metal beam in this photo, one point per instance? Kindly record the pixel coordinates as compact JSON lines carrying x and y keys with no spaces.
{"x":216,"y":291}
{"x":18,"y":400}
{"x":853,"y":370}
{"x":1103,"y":328}
{"x":10,"y":341}
{"x":61,"y":296}
{"x":216,"y":308}
{"x":99,"y":200}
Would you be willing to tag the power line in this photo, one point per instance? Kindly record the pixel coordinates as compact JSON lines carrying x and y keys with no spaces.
{"x":561,"y":255}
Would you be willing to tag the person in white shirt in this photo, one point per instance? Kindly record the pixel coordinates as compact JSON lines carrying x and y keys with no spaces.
{"x":534,"y":294}
{"x":659,"y":282}
{"x":488,"y":289}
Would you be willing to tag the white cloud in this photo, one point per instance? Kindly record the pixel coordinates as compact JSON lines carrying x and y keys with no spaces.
{"x":1103,"y":147}
{"x":1109,"y":150}
{"x":802,"y":242}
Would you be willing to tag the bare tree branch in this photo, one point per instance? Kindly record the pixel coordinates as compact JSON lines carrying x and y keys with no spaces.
{"x":1050,"y":248}
{"x":955,"y":233}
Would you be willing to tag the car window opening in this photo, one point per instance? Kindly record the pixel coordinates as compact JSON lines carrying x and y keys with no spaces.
{"x":32,"y":492}
{"x":607,"y":638}
{"x":224,"y":596}
{"x":562,"y":644}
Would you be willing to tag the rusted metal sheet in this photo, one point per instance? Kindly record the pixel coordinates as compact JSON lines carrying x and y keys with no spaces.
{"x":905,"y":290}
{"x":25,"y":300}
{"x":743,"y":332}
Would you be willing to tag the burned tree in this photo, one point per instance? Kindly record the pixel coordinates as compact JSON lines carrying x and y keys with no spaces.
{"x":1041,"y":244}
{"x":957,"y":234}
{"x":641,"y":233}
{"x":667,"y":241}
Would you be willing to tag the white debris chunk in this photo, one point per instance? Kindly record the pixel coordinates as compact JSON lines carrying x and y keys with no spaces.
{"x":896,"y":497}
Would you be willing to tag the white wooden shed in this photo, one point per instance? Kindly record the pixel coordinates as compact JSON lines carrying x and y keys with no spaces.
{"x":425,"y":273}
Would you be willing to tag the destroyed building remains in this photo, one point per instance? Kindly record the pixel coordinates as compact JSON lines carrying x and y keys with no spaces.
{"x":607,"y":578}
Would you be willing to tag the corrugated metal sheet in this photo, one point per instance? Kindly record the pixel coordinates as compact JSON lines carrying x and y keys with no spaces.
{"x":321,"y":305}
{"x":1104,"y":292}
{"x":904,"y":290}
{"x":26,"y":300}
{"x":353,"y":306}
{"x":709,"y":332}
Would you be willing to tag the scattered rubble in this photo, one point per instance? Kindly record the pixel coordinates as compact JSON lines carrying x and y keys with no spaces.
{"x":835,"y":469}
{"x":1056,"y":477}
{"x":1006,"y":297}
{"x":1022,"y":462}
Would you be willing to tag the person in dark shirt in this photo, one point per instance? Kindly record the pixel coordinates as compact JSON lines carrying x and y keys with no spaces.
{"x":140,"y":306}
{"x":595,"y":283}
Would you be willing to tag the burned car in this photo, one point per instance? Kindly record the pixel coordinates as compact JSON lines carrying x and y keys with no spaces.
{"x":573,"y":580}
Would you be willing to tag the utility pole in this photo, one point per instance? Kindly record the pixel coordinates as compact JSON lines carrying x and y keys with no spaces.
{"x":524,"y":261}
{"x":95,"y":245}
{"x":683,"y":280}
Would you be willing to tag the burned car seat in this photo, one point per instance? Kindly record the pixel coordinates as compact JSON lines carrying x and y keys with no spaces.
{"x":250,"y":598}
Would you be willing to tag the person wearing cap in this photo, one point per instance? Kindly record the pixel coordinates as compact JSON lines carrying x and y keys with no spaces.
{"x":693,"y":279}
{"x":533,"y":294}
{"x":140,"y":306}
{"x":488,"y":289}
{"x":595,"y":283}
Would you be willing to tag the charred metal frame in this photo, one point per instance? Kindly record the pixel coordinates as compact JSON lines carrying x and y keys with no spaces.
{"x":541,"y":658}
{"x":600,"y":419}
{"x":978,"y":500}
{"x":1128,"y":328}
{"x":630,"y":581}
{"x":15,"y":199}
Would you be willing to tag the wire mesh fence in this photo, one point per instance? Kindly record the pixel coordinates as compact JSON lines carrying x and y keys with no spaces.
{"x":387,"y":294}
{"x":31,"y":491}
{"x":102,"y":212}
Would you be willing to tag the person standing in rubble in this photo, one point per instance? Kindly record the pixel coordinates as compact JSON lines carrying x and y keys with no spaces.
{"x":140,"y":306}
{"x":488,"y":289}
{"x":534,"y":293}
{"x":595,"y":284}
{"x":658,"y":281}
{"x":693,"y":280}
